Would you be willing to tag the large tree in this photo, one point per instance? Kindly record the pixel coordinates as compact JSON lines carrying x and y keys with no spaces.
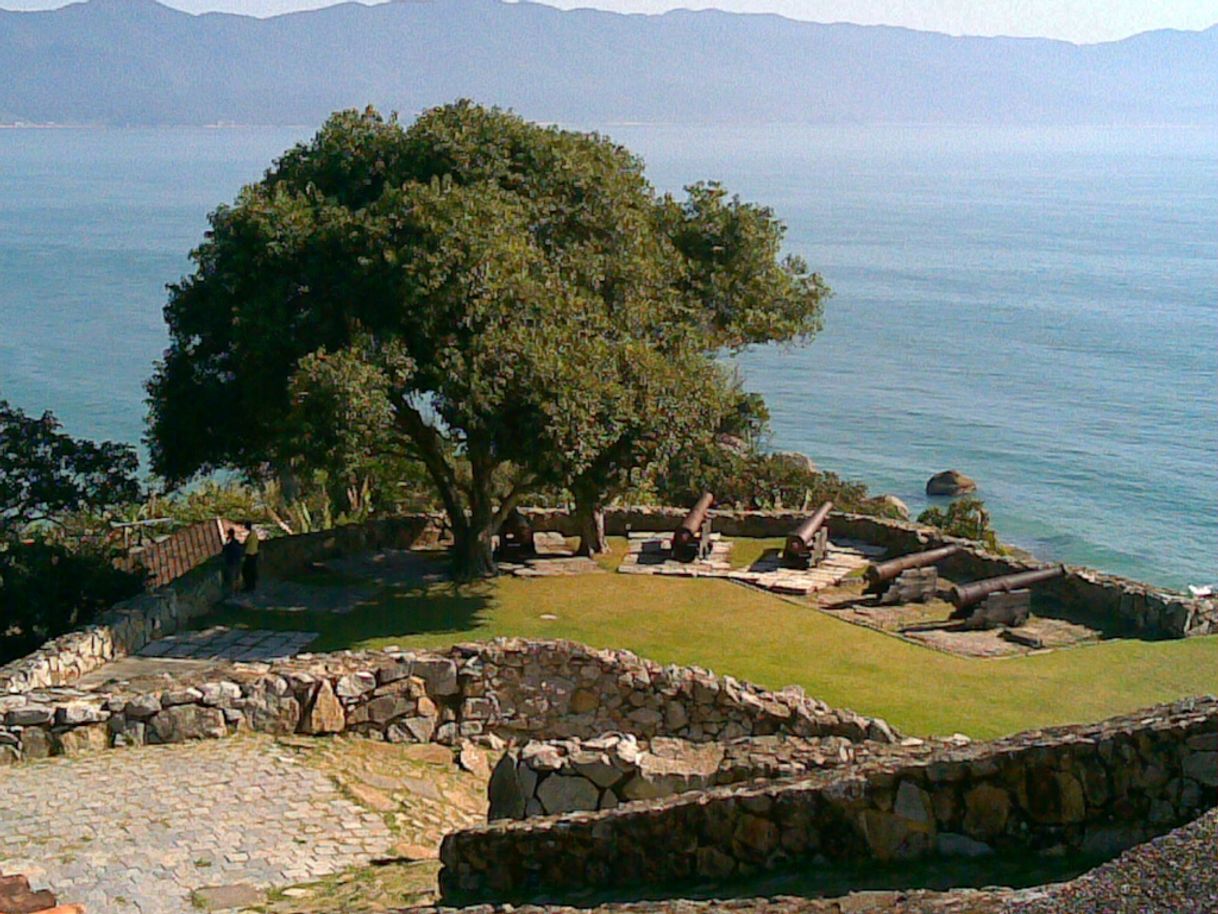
{"x":532,"y":310}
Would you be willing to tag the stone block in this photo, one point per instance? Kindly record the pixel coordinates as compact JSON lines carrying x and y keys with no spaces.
{"x":1202,"y":767}
{"x":186,"y":722}
{"x":986,"y":809}
{"x":36,"y":742}
{"x":143,"y":706}
{"x":559,"y":793}
{"x":84,"y":740}
{"x":324,"y":713}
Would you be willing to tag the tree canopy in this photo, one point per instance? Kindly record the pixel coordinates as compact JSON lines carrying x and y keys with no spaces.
{"x":523,"y":306}
{"x":45,"y":473}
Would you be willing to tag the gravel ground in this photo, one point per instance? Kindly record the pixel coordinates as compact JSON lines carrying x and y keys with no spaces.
{"x":1174,"y":874}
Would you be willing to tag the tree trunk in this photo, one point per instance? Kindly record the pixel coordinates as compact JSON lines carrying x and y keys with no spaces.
{"x":590,"y":523}
{"x":473,"y":558}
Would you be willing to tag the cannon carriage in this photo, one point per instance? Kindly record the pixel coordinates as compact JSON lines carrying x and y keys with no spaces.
{"x":808,"y":544}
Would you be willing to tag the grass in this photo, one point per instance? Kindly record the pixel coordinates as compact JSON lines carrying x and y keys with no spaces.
{"x":755,"y":636}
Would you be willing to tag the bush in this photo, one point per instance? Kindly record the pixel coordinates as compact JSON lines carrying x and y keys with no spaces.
{"x":754,"y":480}
{"x":965,"y":517}
{"x":48,"y":588}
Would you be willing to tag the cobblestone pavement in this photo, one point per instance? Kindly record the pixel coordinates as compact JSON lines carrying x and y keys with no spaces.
{"x":221,"y":643}
{"x":138,"y":830}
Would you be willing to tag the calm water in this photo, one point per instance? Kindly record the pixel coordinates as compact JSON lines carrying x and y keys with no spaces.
{"x":1038,"y":309}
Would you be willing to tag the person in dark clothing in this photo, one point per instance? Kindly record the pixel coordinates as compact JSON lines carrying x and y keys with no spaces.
{"x":249,"y":565}
{"x":232,"y":553}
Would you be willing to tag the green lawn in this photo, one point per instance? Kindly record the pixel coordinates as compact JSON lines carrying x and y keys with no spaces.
{"x":755,"y":636}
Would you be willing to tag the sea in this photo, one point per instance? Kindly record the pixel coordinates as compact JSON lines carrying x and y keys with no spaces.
{"x":1037,"y":308}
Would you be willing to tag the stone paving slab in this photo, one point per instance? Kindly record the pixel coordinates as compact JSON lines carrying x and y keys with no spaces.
{"x":222,"y":643}
{"x":136,"y":831}
{"x":651,"y":553}
{"x":842,"y":558}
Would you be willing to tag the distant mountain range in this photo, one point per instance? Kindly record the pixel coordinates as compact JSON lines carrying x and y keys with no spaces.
{"x":120,"y":62}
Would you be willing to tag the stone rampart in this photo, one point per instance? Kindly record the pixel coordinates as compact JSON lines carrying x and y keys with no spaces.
{"x":129,"y":626}
{"x":547,"y":778}
{"x":1093,"y":789}
{"x":1130,"y":605}
{"x":489,"y":692}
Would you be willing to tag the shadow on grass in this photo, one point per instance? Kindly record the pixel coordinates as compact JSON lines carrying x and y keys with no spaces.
{"x":399,"y":611}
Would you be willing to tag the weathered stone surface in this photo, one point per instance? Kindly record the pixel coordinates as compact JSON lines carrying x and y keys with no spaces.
{"x":186,"y":722}
{"x":986,"y":811}
{"x":36,"y":743}
{"x":325,"y":712}
{"x":34,"y":716}
{"x":1202,"y":767}
{"x":566,"y":794}
{"x":82,"y":740}
{"x":77,"y":714}
{"x":354,"y":685}
{"x":143,"y":706}
{"x":506,"y":798}
{"x":267,"y":711}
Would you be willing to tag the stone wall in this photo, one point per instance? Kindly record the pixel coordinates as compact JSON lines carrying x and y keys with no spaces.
{"x":547,"y":778}
{"x":130,"y":625}
{"x":488,"y":692}
{"x":1130,"y":605}
{"x":1093,"y":789}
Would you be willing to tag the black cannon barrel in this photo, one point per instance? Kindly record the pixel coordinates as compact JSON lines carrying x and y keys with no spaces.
{"x":799,"y":540}
{"x":878,"y":573}
{"x":687,"y":533}
{"x":963,"y":595}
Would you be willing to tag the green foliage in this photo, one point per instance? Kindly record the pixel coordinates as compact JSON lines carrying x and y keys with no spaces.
{"x":45,"y":473}
{"x":757,"y":480}
{"x":965,"y":517}
{"x":55,"y":570}
{"x":511,"y":306}
{"x":48,"y":588}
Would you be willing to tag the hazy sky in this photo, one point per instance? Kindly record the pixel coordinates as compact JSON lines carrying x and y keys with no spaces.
{"x":1073,"y":20}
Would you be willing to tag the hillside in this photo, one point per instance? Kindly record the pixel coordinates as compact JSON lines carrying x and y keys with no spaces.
{"x":138,"y":62}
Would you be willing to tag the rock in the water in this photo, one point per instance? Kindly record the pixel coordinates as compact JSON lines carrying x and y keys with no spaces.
{"x":950,"y":482}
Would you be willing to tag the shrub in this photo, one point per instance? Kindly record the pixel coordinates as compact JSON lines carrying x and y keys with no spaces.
{"x":965,"y":517}
{"x":48,"y":588}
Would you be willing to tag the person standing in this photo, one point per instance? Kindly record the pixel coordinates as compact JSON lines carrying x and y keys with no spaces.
{"x":232,"y":553}
{"x":249,"y":566}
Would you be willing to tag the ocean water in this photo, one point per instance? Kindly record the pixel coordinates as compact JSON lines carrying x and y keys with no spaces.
{"x":1036,"y":308}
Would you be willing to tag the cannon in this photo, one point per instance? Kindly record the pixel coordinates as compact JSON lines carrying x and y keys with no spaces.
{"x":1004,"y":600}
{"x":909,"y":578}
{"x":807,"y":544}
{"x":691,"y":540}
{"x":516,"y":537}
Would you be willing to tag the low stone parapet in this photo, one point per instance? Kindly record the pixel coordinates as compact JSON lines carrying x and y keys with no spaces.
{"x":491,"y":692}
{"x":1092,"y":789}
{"x":546,"y":778}
{"x":129,"y":626}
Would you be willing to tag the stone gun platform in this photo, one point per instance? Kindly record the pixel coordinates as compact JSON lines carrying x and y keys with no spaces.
{"x":650,"y":553}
